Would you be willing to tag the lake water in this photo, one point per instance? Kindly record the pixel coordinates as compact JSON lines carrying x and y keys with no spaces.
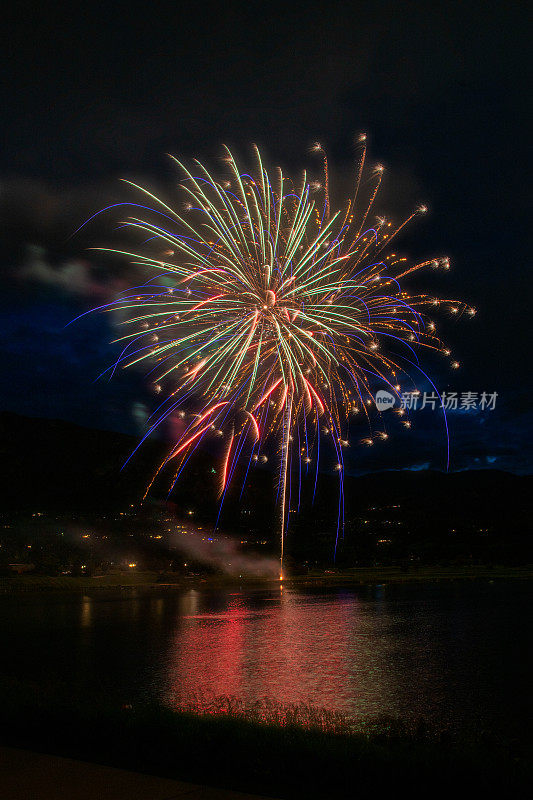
{"x":453,"y":652}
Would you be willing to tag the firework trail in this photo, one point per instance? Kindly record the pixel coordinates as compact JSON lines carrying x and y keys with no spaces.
{"x":268,"y":316}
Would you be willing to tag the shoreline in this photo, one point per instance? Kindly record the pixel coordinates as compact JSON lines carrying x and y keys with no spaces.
{"x":326,"y":757}
{"x":151,"y":583}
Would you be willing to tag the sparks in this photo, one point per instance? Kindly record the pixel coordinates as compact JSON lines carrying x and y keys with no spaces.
{"x":265,"y":299}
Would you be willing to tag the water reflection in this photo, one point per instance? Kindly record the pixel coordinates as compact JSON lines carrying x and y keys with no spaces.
{"x":457,"y":652}
{"x":337,"y":652}
{"x":86,"y":615}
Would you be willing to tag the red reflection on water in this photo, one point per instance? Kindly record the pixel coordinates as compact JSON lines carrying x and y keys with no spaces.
{"x":289,"y":649}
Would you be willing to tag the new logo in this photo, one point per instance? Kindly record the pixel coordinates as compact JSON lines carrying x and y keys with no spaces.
{"x":384,"y":400}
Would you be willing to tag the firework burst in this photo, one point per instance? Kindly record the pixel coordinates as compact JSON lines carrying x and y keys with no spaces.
{"x":269,"y":316}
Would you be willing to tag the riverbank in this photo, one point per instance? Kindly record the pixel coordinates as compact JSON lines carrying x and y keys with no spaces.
{"x":153,"y":582}
{"x":37,"y":776}
{"x":318,"y":757}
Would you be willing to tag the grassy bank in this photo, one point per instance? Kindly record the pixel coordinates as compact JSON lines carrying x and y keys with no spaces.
{"x":68,"y":583}
{"x":151,"y":581}
{"x":292,"y":753}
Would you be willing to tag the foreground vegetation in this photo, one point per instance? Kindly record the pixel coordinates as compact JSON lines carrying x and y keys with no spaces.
{"x":285,"y":752}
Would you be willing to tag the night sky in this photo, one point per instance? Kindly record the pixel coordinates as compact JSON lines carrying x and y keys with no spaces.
{"x":91,"y":95}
